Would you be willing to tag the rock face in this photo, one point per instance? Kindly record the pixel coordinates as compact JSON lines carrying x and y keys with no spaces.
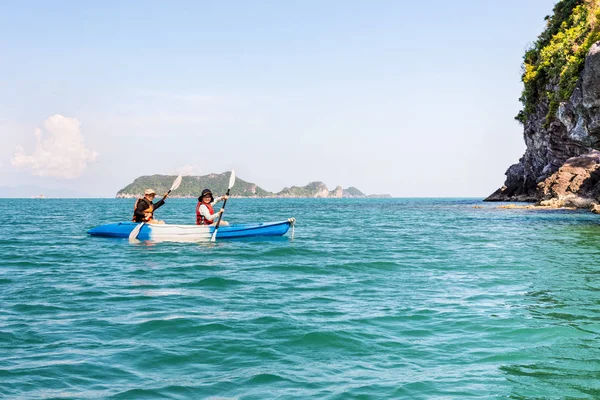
{"x":337,"y":192}
{"x":552,"y":144}
{"x":575,"y":184}
{"x":313,"y":189}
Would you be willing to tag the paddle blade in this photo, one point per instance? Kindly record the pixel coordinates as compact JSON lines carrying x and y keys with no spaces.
{"x":176,"y":183}
{"x":135,"y":232}
{"x":231,"y":179}
{"x":214,"y":235}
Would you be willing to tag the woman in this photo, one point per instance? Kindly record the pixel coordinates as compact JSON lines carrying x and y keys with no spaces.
{"x":205,"y":214}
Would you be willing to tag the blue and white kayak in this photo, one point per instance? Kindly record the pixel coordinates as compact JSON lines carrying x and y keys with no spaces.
{"x":191,"y":233}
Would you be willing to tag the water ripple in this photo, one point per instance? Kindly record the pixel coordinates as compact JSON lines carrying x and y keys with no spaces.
{"x":436,"y":299}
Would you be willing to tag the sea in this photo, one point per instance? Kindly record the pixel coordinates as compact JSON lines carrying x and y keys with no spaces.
{"x":371,"y":299}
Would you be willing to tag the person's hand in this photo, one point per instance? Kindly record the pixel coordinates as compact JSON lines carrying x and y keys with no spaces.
{"x":224,"y":197}
{"x":221,"y":211}
{"x":166,"y":195}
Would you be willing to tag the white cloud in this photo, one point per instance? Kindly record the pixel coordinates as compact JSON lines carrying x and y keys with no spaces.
{"x":188,"y":170}
{"x":59,"y":151}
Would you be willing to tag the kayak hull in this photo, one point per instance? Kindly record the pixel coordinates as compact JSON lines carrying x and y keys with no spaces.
{"x":191,"y":233}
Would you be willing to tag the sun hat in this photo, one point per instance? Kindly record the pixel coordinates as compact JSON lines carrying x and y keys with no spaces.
{"x":149,"y":191}
{"x":205,"y":192}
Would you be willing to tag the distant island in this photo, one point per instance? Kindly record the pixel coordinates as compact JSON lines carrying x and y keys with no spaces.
{"x":191,"y":186}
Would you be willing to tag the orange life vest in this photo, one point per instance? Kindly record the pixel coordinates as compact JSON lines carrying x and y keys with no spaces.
{"x":150,"y":210}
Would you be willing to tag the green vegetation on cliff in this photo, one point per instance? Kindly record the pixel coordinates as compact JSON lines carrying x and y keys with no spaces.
{"x":353,"y":192}
{"x":191,"y":186}
{"x":305,"y":191}
{"x":552,"y":66}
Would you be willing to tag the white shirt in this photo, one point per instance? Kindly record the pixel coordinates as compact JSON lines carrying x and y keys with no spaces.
{"x":203,"y":210}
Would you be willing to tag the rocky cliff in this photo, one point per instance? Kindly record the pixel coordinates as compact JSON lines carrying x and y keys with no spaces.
{"x":561,"y":111}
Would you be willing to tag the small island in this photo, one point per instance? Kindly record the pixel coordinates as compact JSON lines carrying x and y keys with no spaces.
{"x":191,"y":186}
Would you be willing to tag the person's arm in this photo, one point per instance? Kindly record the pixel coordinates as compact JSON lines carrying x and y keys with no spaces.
{"x":218,"y":199}
{"x":159,"y":203}
{"x":206,"y":214}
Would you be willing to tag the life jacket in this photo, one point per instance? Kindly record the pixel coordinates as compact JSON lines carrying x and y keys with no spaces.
{"x":150,"y":210}
{"x":200,"y":220}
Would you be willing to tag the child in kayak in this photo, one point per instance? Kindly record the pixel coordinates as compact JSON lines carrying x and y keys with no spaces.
{"x":205,"y":214}
{"x":143,"y":210}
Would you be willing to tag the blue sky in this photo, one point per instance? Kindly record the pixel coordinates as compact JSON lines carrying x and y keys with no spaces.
{"x":406,"y":98}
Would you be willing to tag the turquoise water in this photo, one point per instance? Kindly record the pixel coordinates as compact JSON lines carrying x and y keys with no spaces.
{"x":376,"y":298}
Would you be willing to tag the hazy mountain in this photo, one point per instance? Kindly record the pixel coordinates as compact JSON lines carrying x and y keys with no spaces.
{"x":29,"y":191}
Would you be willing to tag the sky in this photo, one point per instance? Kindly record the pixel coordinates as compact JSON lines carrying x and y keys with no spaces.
{"x":413,"y":99}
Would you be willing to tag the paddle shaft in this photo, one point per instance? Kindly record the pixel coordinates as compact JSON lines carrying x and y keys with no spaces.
{"x":170,"y":190}
{"x":221,"y":214}
{"x":168,"y":193}
{"x":174,"y":186}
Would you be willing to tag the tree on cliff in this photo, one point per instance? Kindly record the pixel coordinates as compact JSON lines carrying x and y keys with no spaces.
{"x":552,"y":66}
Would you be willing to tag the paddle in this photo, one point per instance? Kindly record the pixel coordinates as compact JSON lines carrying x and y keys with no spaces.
{"x":136,"y":231}
{"x":231,"y":182}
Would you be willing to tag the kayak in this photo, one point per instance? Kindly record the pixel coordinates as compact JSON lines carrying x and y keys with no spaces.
{"x":191,"y":233}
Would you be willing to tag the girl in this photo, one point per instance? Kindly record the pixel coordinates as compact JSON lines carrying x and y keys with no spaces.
{"x":205,"y":215}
